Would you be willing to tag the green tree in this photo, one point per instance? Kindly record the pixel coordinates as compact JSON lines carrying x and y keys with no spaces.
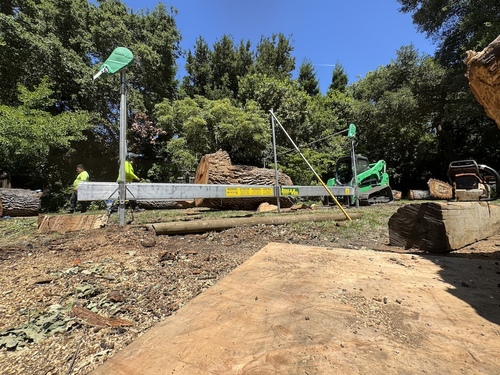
{"x":457,"y":26}
{"x":339,"y":78}
{"x":29,"y":133}
{"x":274,"y":56}
{"x":464,"y":130}
{"x":307,"y":78}
{"x":200,"y":126}
{"x":199,"y":70}
{"x":397,"y":112}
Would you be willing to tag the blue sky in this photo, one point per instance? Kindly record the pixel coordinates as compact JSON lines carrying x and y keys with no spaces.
{"x":361,"y":35}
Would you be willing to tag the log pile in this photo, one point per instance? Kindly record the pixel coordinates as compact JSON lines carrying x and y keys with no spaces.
{"x":483,"y":73}
{"x":443,"y":227}
{"x":19,"y":202}
{"x":218,"y":169}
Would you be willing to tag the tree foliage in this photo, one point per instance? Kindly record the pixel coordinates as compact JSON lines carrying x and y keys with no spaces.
{"x":29,"y":133}
{"x":395,"y":121}
{"x":416,"y":112}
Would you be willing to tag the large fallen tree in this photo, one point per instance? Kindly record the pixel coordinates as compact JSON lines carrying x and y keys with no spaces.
{"x":218,"y":169}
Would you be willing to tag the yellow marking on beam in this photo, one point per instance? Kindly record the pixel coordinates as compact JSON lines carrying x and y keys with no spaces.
{"x":290,"y":191}
{"x":237,"y":192}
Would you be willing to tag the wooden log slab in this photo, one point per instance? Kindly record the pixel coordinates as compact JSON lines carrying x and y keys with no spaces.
{"x":294,"y":309}
{"x":443,"y":227}
{"x":218,"y":169}
{"x":19,"y":202}
{"x":70,"y":223}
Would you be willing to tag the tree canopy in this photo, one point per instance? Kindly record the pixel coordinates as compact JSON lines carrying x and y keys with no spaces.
{"x":416,"y":112}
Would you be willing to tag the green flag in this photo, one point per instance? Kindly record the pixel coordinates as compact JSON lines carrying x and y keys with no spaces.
{"x":119,"y":59}
{"x":352,"y":131}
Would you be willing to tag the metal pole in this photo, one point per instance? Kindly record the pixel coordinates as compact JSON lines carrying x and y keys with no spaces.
{"x":277,"y":186}
{"x":355,"y":173}
{"x":310,"y":167}
{"x":122,"y":190}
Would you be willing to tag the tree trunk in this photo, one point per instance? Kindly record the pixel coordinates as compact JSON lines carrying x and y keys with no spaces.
{"x":217,"y":169}
{"x":483,"y":73}
{"x":443,"y":227}
{"x":19,"y":202}
{"x":201,"y":226}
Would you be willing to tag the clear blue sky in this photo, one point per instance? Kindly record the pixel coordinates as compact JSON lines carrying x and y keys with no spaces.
{"x":361,"y":35}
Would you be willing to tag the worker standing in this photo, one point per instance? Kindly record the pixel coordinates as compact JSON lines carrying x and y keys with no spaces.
{"x":82,"y":175}
{"x":130,"y":176}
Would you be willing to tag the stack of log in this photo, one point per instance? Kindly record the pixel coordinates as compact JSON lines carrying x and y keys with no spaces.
{"x":19,"y":202}
{"x":218,"y":169}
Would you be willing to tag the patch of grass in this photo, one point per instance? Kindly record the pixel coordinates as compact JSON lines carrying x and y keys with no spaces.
{"x":15,"y":228}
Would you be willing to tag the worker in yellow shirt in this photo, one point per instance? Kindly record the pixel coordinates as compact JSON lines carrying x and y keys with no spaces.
{"x":130,"y":176}
{"x":82,"y":175}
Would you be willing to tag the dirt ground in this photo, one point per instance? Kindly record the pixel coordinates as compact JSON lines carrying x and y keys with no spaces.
{"x":71,"y":302}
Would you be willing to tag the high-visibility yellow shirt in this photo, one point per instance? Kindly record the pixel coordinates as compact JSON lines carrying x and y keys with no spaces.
{"x":82,"y":176}
{"x":129,"y":173}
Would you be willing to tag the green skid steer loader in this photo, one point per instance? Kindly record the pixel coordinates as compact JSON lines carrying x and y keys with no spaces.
{"x":372,"y":181}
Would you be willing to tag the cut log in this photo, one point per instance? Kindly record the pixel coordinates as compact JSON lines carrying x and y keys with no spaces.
{"x":19,"y":202}
{"x":217,"y":169}
{"x":443,"y":227}
{"x":439,"y":189}
{"x":419,"y":194}
{"x":483,"y":73}
{"x":70,"y":223}
{"x":221,"y":224}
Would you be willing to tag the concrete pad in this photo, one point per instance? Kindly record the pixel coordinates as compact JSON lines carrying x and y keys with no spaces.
{"x":294,"y":309}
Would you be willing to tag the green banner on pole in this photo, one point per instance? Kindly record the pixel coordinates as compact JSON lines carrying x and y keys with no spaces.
{"x":351,"y":133}
{"x":119,"y":59}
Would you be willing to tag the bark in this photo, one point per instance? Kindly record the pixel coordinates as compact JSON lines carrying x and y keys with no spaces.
{"x":443,"y":227}
{"x":221,"y":224}
{"x":217,"y":169}
{"x":483,"y":73}
{"x":19,"y":202}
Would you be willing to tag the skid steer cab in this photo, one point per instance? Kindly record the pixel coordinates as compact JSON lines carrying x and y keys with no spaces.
{"x":473,"y":182}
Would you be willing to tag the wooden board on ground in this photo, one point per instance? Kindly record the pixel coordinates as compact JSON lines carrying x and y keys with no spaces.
{"x":70,"y":223}
{"x":443,"y":227}
{"x":294,"y":309}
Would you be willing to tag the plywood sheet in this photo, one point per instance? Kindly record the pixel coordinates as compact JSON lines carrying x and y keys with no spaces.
{"x":295,"y":309}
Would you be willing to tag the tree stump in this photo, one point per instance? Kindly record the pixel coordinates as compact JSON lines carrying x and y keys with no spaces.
{"x":443,"y":227}
{"x":483,"y":73}
{"x":19,"y":202}
{"x":217,"y":169}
